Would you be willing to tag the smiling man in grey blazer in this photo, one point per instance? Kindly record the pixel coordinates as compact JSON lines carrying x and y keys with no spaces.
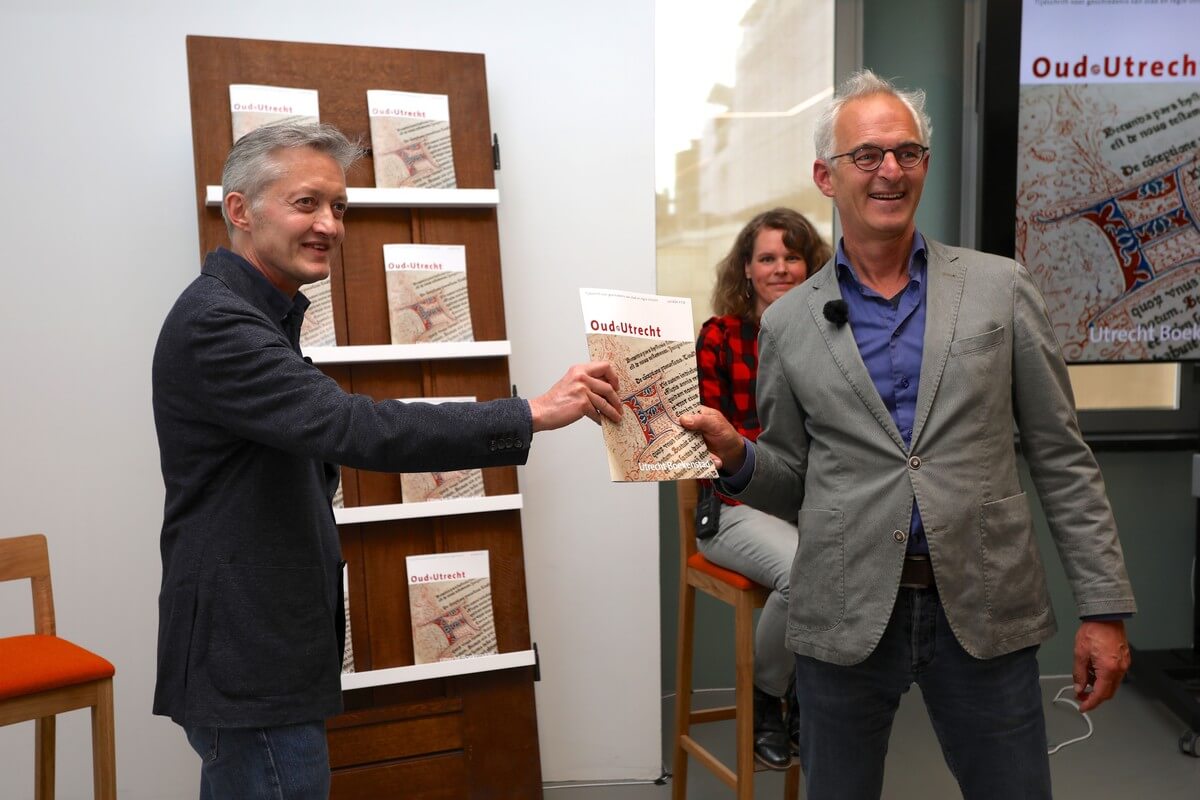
{"x":890,"y":388}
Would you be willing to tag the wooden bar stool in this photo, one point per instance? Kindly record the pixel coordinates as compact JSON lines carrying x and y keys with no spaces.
{"x":697,"y":572}
{"x":44,"y":675}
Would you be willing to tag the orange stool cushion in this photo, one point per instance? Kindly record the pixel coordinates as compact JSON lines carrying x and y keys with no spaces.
{"x":734,"y":579}
{"x":37,"y":663}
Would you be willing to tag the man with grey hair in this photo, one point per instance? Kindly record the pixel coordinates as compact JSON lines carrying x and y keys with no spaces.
{"x":890,"y":387}
{"x":251,"y":628}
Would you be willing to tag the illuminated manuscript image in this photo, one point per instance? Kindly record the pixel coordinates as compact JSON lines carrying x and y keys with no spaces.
{"x":410,"y":139}
{"x":419,"y":487}
{"x":450,"y":598}
{"x":648,"y":341}
{"x":427,"y":293}
{"x":1108,"y":195}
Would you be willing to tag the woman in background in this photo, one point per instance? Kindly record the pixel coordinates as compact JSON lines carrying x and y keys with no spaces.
{"x":774,"y":252}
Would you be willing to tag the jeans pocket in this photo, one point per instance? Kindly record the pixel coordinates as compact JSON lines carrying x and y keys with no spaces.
{"x":205,"y":741}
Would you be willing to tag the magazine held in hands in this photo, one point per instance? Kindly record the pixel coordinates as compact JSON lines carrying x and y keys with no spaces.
{"x":650,"y":342}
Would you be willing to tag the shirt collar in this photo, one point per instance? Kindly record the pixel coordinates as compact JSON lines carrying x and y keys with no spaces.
{"x":917,"y":258}
{"x":275,"y":302}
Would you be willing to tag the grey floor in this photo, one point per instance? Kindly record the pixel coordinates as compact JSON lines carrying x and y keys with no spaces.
{"x":1133,"y":755}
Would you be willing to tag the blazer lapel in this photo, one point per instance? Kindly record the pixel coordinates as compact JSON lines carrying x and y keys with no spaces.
{"x":944,"y":276}
{"x":844,"y":350}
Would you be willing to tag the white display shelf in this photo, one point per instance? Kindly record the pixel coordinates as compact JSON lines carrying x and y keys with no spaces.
{"x":431,"y":508}
{"x":424,"y":351}
{"x":441,"y":669}
{"x":369,"y":197}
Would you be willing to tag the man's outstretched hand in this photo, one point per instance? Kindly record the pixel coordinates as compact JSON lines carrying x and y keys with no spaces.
{"x":587,"y":390}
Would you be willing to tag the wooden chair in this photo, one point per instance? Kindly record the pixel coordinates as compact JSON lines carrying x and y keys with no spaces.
{"x":44,"y":675}
{"x":697,"y":572}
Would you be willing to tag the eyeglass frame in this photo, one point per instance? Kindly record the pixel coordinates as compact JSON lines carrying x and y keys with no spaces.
{"x":883,"y":155}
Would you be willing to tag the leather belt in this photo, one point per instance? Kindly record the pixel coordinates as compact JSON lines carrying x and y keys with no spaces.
{"x":917,"y":573}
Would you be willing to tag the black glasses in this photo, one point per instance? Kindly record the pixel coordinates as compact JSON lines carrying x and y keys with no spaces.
{"x":869,"y":158}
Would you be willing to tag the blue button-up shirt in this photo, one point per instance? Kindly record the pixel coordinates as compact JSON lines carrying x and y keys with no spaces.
{"x":890,"y":334}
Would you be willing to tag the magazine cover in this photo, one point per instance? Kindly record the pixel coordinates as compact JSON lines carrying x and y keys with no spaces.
{"x":1108,"y":176}
{"x":450,"y":597}
{"x":427,"y":293}
{"x":254,"y":106}
{"x":338,"y":501}
{"x":348,"y":650}
{"x":420,"y":487}
{"x":410,"y":139}
{"x":650,"y":342}
{"x":317,"y":329}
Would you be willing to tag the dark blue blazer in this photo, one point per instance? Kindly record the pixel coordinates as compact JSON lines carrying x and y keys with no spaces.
{"x":250,"y":612}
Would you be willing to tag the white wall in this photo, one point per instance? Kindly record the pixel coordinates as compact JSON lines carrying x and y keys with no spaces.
{"x":96,"y":193}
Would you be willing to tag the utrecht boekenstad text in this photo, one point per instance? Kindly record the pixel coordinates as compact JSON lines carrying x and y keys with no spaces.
{"x":1145,"y":333}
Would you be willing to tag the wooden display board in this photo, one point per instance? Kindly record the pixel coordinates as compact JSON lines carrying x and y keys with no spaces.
{"x":472,"y":735}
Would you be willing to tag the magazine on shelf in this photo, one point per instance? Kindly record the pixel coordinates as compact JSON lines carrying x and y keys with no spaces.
{"x":410,"y":139}
{"x":317,"y":329}
{"x":420,"y":487}
{"x":339,"y":500}
{"x":649,"y":340}
{"x":427,"y":293}
{"x":348,"y":650}
{"x":253,"y":106}
{"x":450,"y":598}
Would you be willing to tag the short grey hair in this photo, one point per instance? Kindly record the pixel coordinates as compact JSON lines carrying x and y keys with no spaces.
{"x":252,"y":166}
{"x":865,"y":83}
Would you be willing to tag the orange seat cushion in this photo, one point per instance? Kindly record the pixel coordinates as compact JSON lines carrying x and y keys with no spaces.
{"x":735,"y":579}
{"x":37,"y":663}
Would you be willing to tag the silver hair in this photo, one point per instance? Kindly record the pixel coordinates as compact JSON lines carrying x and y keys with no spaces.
{"x":863,"y":84}
{"x":252,"y":165}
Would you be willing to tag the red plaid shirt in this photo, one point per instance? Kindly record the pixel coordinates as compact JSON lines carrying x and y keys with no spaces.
{"x":727,"y":360}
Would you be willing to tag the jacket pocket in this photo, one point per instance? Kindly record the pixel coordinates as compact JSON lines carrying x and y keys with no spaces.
{"x":977,"y":343}
{"x":271,"y":630}
{"x":818,"y":576}
{"x":175,"y":641}
{"x":1013,"y":578}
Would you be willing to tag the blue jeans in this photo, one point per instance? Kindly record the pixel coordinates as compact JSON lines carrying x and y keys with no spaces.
{"x":288,"y":762}
{"x":987,"y":713}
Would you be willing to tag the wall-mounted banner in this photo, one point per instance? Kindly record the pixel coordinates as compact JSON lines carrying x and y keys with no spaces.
{"x":1108,"y":180}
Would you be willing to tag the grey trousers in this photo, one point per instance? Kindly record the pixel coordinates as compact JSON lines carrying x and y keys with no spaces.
{"x":761,"y":547}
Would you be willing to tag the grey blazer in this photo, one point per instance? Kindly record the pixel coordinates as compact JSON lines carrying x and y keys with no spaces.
{"x":829,"y":448}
